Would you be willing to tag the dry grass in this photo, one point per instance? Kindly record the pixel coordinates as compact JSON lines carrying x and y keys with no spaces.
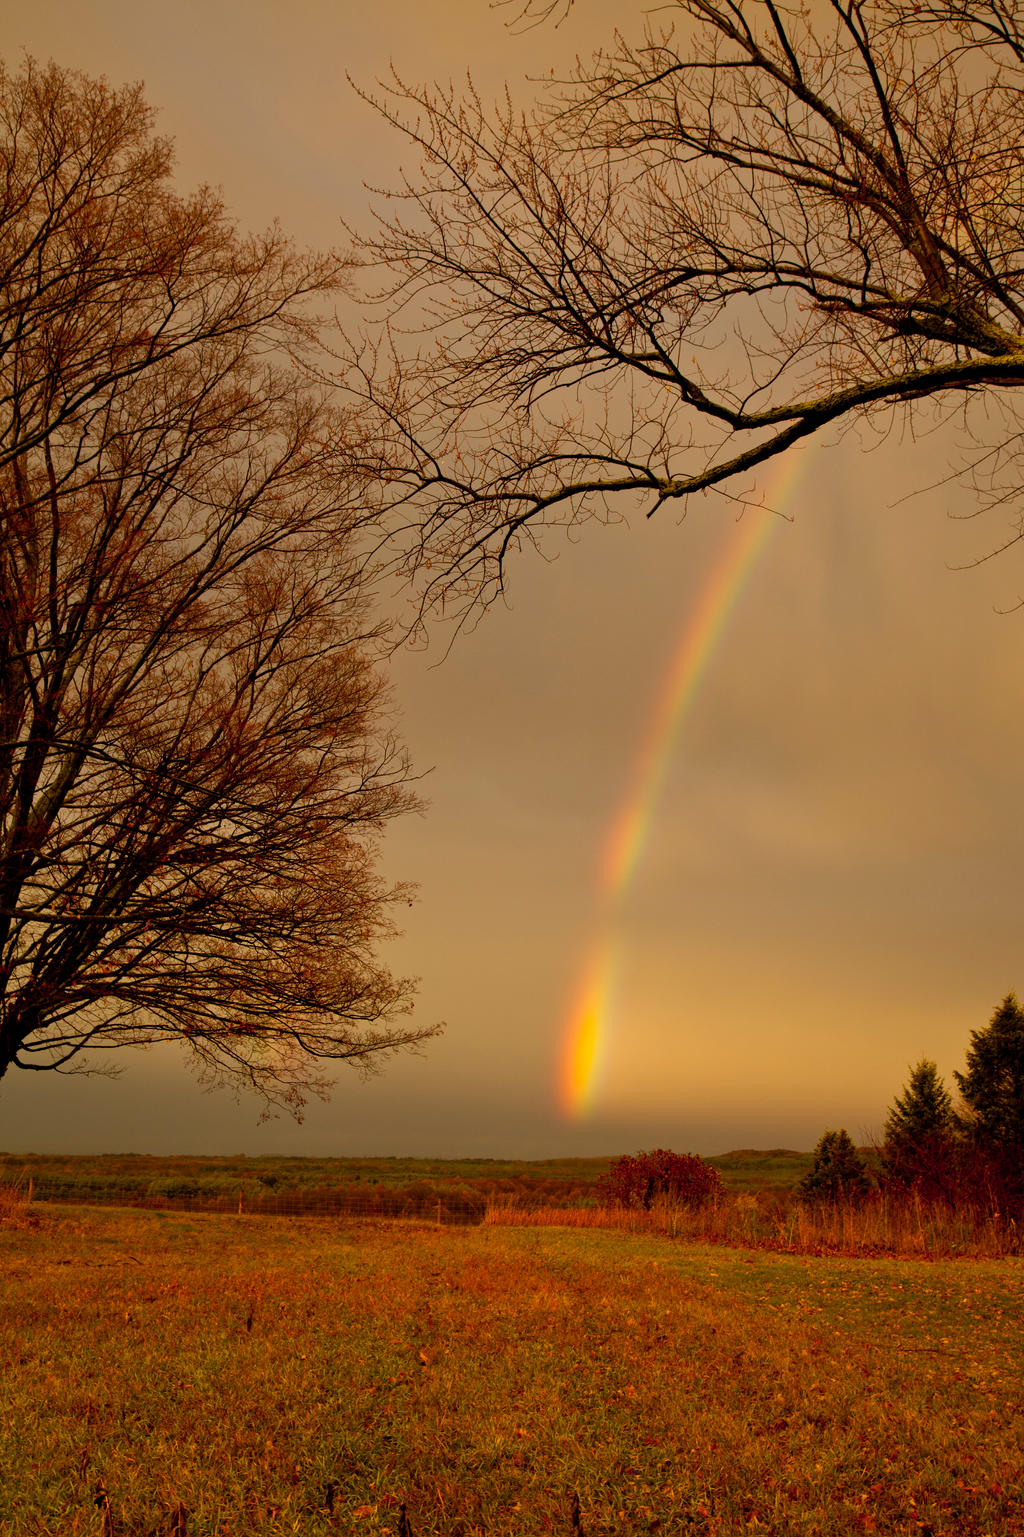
{"x":16,"y":1205}
{"x":908,"y":1228}
{"x":297,"y":1376}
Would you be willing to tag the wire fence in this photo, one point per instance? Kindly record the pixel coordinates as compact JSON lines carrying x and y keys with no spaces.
{"x":910,"y":1228}
{"x":422,"y":1204}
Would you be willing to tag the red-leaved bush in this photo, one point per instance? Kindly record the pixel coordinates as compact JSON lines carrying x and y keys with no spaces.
{"x":635,"y":1180}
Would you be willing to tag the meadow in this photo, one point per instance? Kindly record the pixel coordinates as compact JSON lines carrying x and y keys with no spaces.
{"x":382,"y":1186}
{"x":168,"y":1374}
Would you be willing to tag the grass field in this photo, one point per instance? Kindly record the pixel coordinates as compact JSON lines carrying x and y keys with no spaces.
{"x":166,"y":1373}
{"x":758,"y":1206}
{"x":95,"y":1176}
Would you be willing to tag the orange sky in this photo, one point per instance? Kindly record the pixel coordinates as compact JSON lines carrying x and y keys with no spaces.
{"x":831,"y":885}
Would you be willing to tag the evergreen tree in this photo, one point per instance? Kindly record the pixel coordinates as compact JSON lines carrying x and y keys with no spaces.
{"x":993,"y":1084}
{"x":839,"y":1173}
{"x":920,"y":1133}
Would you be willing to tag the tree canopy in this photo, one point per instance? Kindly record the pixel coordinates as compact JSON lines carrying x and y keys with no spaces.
{"x":755,"y":223}
{"x":683,"y":1178}
{"x":195,"y":758}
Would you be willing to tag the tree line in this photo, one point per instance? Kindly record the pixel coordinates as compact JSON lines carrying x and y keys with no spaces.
{"x":969,"y":1154}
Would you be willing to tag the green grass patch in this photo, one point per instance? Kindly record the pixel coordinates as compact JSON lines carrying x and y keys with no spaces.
{"x":307,"y":1377}
{"x":760,"y":1169}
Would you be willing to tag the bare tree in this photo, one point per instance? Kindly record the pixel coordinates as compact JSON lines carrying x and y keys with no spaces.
{"x":703,"y":248}
{"x":195,"y":762}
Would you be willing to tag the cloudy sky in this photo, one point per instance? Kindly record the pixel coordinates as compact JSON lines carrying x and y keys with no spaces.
{"x":826,"y":883}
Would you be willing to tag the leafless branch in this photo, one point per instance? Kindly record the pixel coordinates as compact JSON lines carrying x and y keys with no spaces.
{"x":195,"y":761}
{"x":709,"y":245}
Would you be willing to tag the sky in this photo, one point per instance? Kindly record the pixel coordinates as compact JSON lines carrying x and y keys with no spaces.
{"x":753,"y":789}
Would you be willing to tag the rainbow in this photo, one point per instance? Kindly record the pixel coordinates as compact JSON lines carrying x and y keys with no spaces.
{"x":588,"y":1031}
{"x":589,"y":1017}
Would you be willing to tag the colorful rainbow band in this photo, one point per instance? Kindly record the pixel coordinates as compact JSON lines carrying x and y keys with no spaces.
{"x":588,"y":1023}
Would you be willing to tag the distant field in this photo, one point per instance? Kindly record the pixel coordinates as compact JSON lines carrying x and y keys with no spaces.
{"x":226,"y":1376}
{"x":554,"y":1181}
{"x":753,"y":1169}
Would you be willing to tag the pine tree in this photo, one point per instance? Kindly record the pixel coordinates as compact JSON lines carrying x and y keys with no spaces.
{"x":993,"y":1084}
{"x":920,"y":1134}
{"x":839,"y":1173}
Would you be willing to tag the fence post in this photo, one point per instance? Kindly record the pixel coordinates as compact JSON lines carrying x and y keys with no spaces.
{"x":31,"y":1187}
{"x":439,"y":1213}
{"x":239,"y":1203}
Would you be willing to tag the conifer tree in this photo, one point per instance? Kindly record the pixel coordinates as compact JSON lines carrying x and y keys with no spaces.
{"x":838,"y":1173}
{"x":920,"y":1133}
{"x":993,"y":1084}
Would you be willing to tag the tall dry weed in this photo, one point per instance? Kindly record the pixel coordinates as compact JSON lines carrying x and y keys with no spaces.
{"x":16,"y":1204}
{"x":775,"y":1220}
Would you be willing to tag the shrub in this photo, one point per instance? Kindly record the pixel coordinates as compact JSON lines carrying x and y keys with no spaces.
{"x":682,"y":1177}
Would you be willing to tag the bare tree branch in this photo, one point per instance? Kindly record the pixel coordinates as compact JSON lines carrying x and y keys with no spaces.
{"x":195,"y":762}
{"x":710,"y":244}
